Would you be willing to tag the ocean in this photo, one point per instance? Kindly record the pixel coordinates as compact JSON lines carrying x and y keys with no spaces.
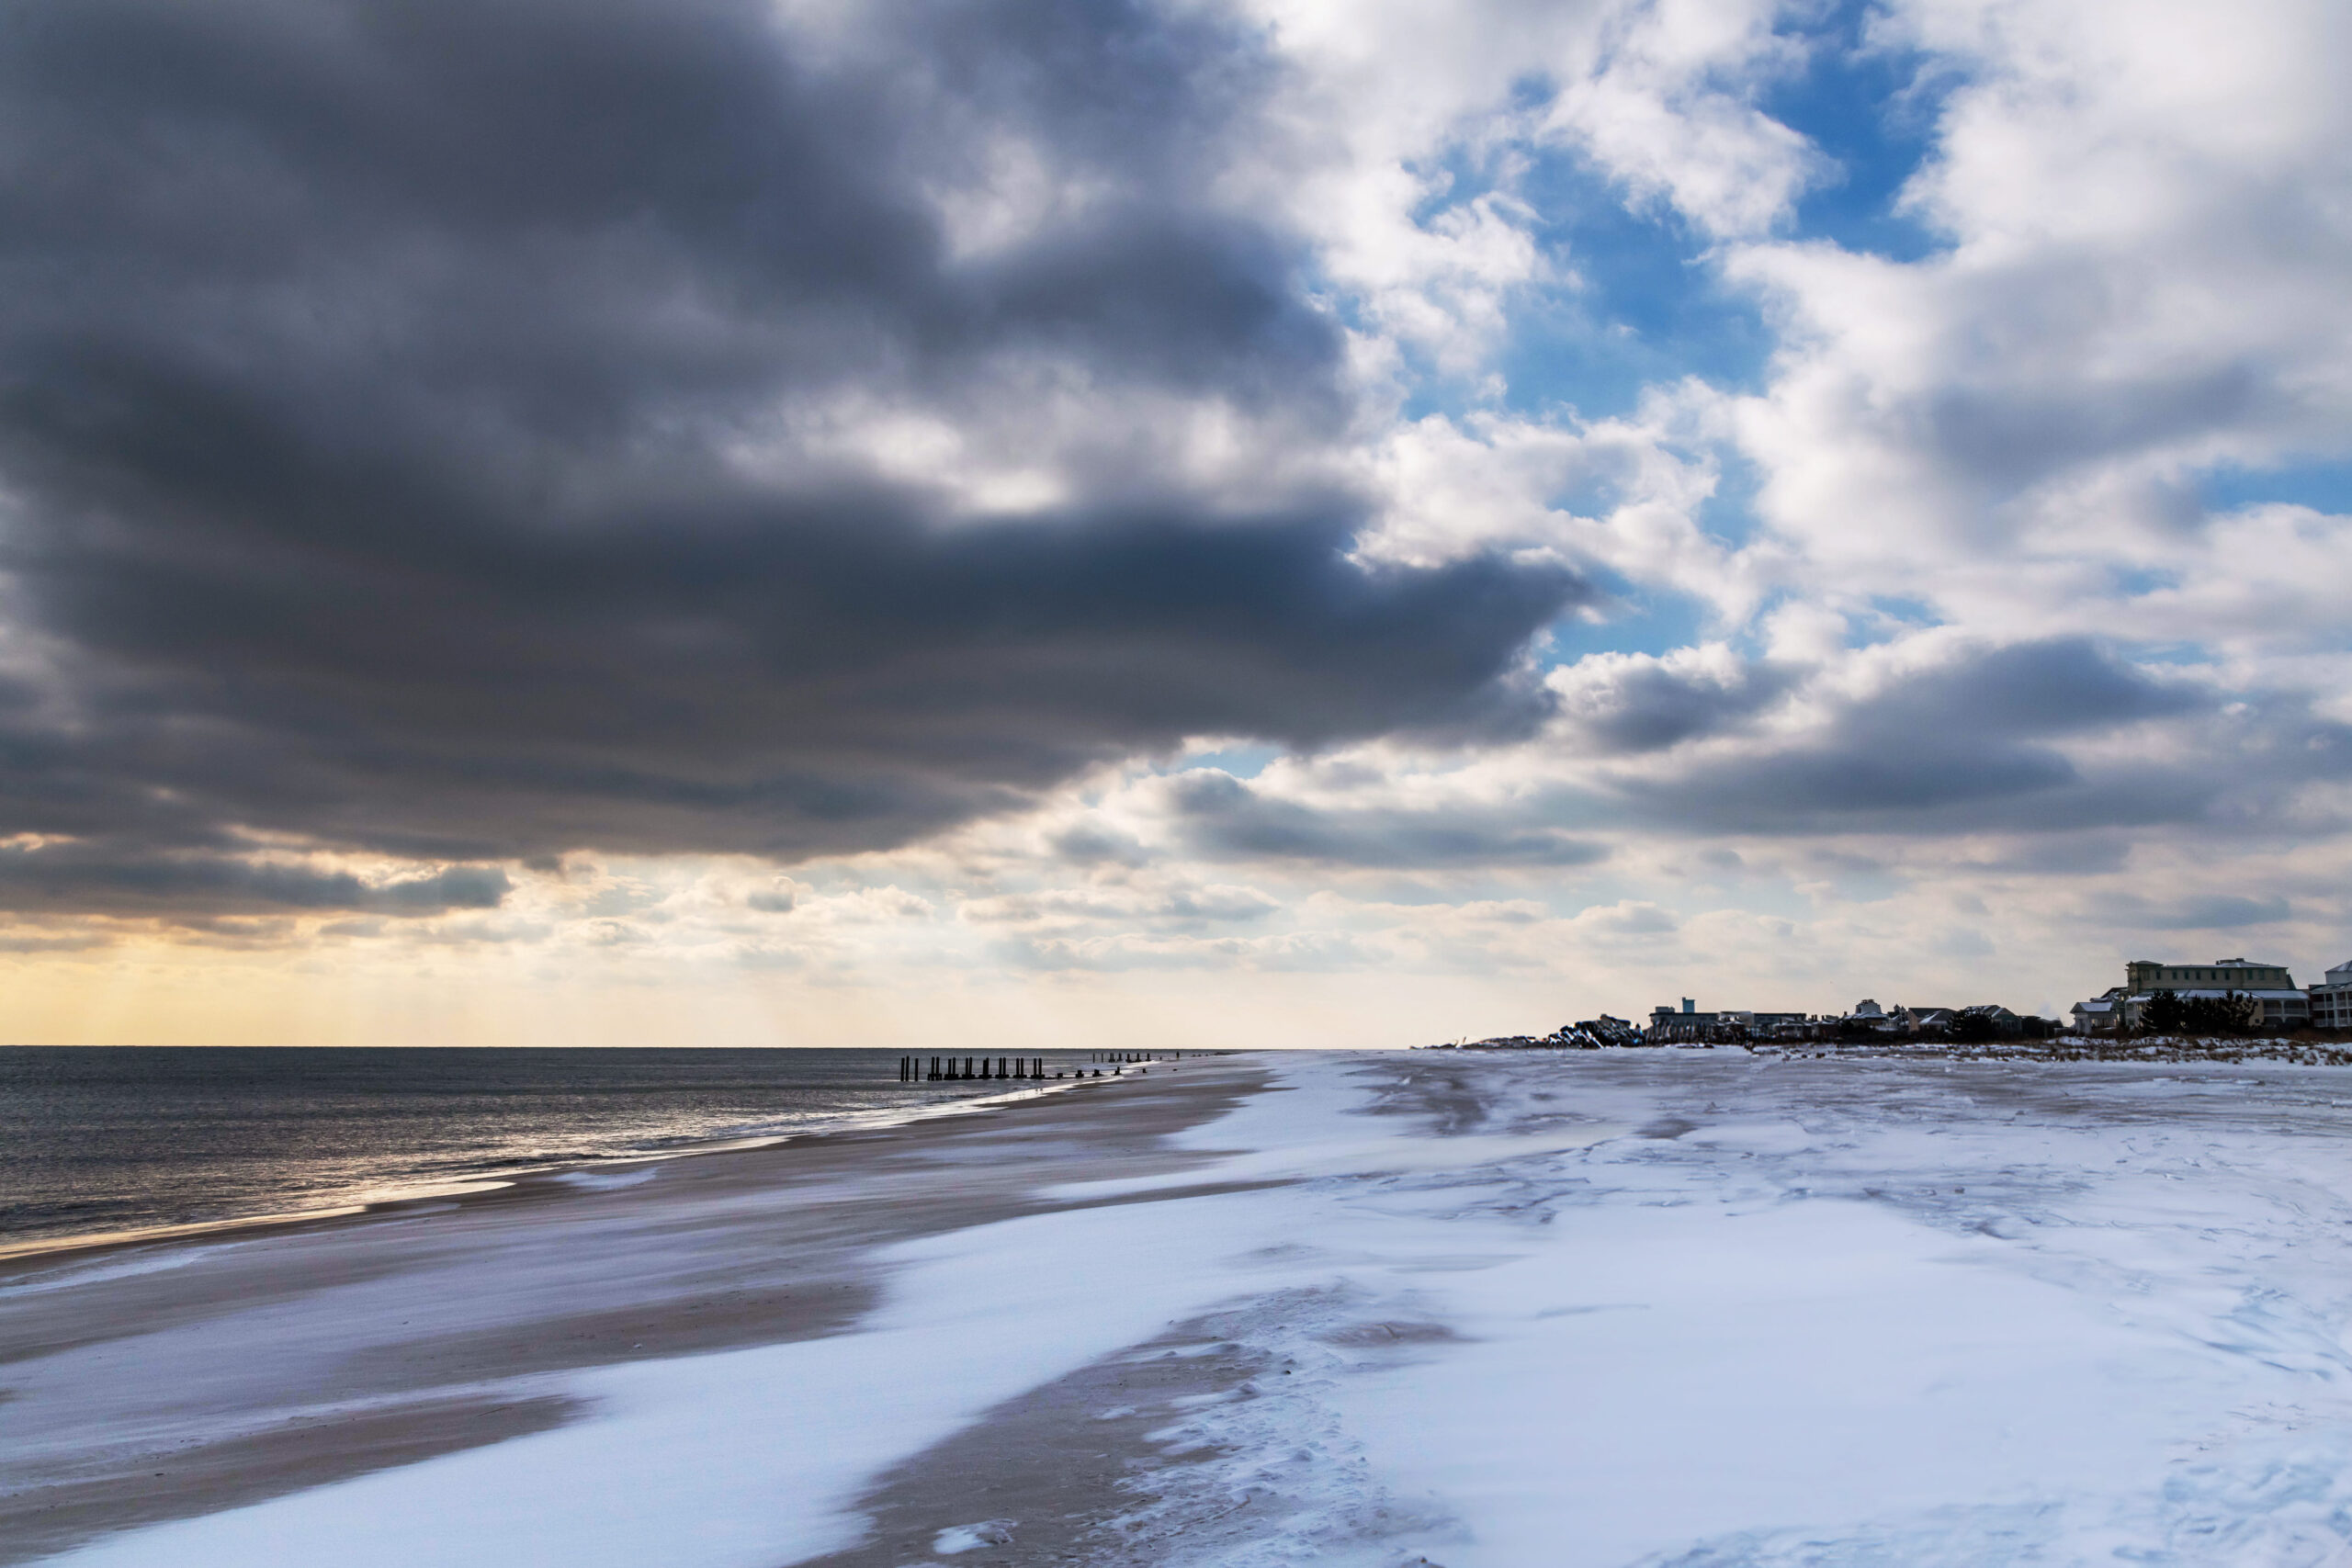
{"x":99,"y":1141}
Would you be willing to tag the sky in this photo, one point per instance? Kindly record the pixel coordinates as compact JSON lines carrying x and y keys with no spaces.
{"x":919,"y":523}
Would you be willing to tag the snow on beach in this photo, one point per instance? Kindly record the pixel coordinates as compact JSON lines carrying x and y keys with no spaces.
{"x":1660,"y":1307}
{"x":1808,"y":1312}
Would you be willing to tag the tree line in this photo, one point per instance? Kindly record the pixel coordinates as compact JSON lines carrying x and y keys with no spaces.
{"x":2165,"y":1012}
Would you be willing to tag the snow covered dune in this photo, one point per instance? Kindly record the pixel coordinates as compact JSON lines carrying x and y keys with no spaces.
{"x":1806,"y":1313}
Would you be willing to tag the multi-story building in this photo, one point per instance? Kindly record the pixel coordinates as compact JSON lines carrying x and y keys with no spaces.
{"x":1668,"y":1025}
{"x":1690,"y":1023}
{"x":2143,"y":975}
{"x":2267,"y":986}
{"x":2332,"y":999}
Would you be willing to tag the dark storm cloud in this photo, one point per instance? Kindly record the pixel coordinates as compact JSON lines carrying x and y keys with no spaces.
{"x":1650,"y":706}
{"x":94,"y":879}
{"x":1961,"y":747}
{"x":2055,"y":686}
{"x":835,"y":681}
{"x":1222,"y":818}
{"x":374,"y":380}
{"x":1967,"y":745}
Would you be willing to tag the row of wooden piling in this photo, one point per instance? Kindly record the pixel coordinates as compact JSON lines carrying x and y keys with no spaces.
{"x":914,"y":1069}
{"x":943,"y":1069}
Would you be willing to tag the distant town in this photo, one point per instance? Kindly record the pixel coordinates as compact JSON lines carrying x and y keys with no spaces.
{"x":2227,"y":999}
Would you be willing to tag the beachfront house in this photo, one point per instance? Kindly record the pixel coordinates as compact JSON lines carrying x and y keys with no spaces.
{"x":1990,"y":1020}
{"x":2143,"y":975}
{"x":2332,"y":998}
{"x":2101,"y":1014}
{"x":1977,"y":1023}
{"x":1670,"y":1024}
{"x":1869,"y":1022}
{"x":2269,"y":986}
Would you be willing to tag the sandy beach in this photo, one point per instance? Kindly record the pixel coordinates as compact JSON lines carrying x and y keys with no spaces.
{"x":160,"y":1382}
{"x":1661,"y":1307}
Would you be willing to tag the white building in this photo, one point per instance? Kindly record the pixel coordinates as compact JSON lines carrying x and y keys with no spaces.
{"x":2098,"y":1016}
{"x":2332,"y":999}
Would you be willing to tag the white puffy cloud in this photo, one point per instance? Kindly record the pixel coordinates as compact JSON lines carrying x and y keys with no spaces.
{"x":2145,"y":224}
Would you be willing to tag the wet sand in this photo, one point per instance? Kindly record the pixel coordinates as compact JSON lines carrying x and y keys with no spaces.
{"x":169,"y":1380}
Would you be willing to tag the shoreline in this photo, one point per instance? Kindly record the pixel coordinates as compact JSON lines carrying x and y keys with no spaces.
{"x":363,"y":1203}
{"x":376,"y":1357}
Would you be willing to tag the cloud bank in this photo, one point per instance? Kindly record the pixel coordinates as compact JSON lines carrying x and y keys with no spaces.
{"x":441,"y":432}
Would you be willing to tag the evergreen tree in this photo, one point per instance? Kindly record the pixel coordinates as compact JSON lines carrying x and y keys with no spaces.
{"x":2165,"y":1013}
{"x":2232,"y":1014}
{"x":1973,"y":1028}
